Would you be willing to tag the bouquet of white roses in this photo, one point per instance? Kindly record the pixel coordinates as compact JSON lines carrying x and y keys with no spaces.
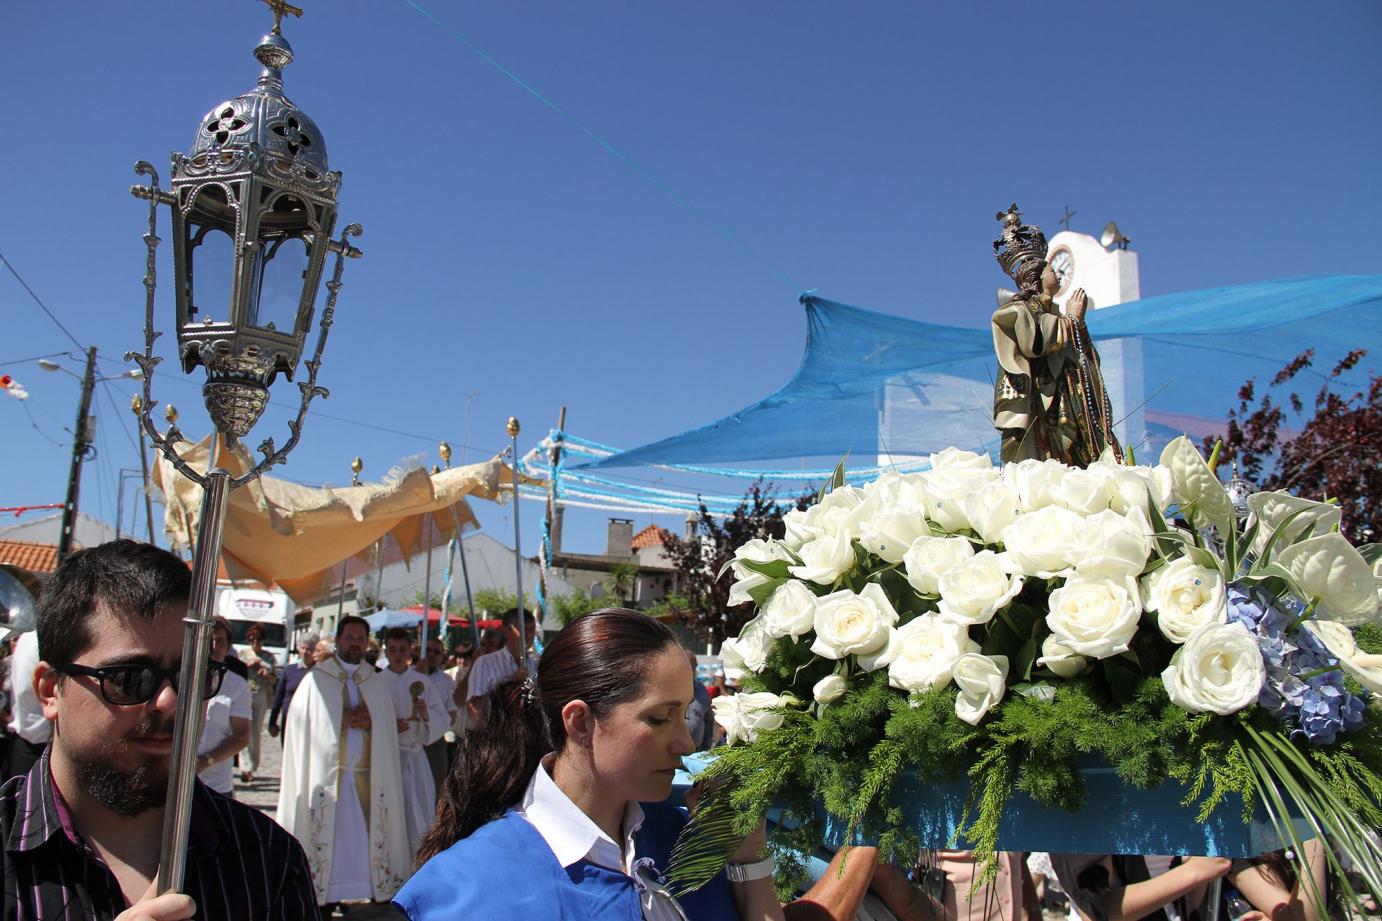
{"x":1006,"y":622}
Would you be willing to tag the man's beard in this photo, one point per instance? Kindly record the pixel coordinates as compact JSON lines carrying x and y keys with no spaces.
{"x":131,"y":790}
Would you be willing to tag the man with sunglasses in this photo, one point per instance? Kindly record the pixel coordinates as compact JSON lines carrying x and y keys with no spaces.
{"x":82,"y":829}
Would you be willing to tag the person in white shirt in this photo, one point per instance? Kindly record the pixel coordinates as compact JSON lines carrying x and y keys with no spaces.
{"x":30,"y":730}
{"x":445,"y":687}
{"x":421,"y":721}
{"x":494,"y":668}
{"x":227,"y":726}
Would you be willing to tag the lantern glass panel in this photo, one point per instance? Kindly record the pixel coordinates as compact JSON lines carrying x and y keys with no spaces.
{"x":278,"y":285}
{"x":210,"y":258}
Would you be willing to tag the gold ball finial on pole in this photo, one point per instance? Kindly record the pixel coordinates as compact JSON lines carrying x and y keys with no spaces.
{"x":356,"y":466}
{"x":444,"y":449}
{"x":512,"y":427}
{"x":170,"y":412}
{"x":136,"y":405}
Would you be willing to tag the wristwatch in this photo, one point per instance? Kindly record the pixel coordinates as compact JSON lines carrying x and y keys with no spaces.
{"x":744,"y":872}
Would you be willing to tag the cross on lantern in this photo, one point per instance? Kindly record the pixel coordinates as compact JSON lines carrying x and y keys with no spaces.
{"x":280,"y":7}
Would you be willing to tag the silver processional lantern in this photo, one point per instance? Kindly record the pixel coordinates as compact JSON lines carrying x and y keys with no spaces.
{"x":254,"y":206}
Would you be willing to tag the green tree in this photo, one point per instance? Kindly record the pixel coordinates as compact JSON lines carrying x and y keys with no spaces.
{"x":623,"y":577}
{"x":573,"y":605}
{"x":495,"y":601}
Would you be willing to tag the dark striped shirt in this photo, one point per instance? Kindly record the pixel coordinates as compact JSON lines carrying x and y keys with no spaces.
{"x":240,"y":864}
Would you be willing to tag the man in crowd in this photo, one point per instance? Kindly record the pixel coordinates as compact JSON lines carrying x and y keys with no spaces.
{"x":29,"y":730}
{"x":262,"y":677}
{"x":288,"y":683}
{"x":226,"y":728}
{"x":700,"y":718}
{"x":83,"y":828}
{"x":445,"y":688}
{"x":421,"y":720}
{"x":494,"y":668}
{"x":341,"y":793}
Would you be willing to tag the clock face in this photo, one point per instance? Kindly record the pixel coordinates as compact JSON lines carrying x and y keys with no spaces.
{"x":1063,"y":264}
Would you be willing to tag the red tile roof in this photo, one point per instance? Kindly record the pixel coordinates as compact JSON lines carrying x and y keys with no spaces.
{"x":651,"y":536}
{"x":28,"y":555}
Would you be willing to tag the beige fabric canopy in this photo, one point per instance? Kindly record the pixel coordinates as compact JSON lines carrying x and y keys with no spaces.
{"x":297,"y":536}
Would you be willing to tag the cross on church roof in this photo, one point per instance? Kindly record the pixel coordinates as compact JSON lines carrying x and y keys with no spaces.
{"x":1065,"y":218}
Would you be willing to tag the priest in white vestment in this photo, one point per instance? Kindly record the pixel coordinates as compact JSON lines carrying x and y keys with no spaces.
{"x":422,"y":720}
{"x":341,"y":791}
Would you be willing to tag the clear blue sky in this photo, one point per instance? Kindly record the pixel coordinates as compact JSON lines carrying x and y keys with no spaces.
{"x":857,"y":148}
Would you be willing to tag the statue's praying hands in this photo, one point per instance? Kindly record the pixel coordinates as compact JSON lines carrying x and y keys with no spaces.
{"x":1077,"y":305}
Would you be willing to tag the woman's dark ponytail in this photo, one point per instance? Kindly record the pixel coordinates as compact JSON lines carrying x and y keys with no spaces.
{"x":600,"y":658}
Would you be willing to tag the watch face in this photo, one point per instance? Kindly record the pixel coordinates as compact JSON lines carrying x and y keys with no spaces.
{"x":1063,"y":264}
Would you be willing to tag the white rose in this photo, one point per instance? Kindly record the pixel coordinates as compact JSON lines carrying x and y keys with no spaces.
{"x":1084,"y":492}
{"x":840,"y":510}
{"x":1327,"y":569}
{"x":891,"y":533}
{"x":748,"y":652}
{"x":1218,"y":670}
{"x":744,"y":716}
{"x":975,"y":589}
{"x":1338,"y":639}
{"x":1035,"y":480}
{"x":924,"y":653}
{"x":1094,"y":617}
{"x":755,"y":551}
{"x":1061,"y":660}
{"x":1185,"y":596}
{"x":824,"y":559}
{"x":930,"y":557}
{"x":1044,"y":542}
{"x":955,"y":458}
{"x":1134,"y":487}
{"x":790,"y":610}
{"x":1113,"y":546}
{"x":859,"y":625}
{"x":991,"y":509}
{"x":798,"y":528}
{"x":981,"y":680}
{"x":1269,"y":509}
{"x":829,"y":689}
{"x":1193,"y":483}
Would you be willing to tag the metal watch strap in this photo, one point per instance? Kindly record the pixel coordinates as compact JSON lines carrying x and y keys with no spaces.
{"x":744,"y":872}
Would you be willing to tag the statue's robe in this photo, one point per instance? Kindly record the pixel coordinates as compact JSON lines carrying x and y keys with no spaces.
{"x":419,"y":788}
{"x":341,"y":792}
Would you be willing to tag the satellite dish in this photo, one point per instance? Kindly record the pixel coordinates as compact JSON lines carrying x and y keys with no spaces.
{"x":1005,"y":295}
{"x":17,"y":611}
{"x":1112,"y":236}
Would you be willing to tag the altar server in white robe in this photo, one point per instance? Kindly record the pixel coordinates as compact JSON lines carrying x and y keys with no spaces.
{"x":422,"y":720}
{"x":341,"y":791}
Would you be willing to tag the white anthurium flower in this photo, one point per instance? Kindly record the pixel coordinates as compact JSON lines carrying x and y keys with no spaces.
{"x":1193,"y":483}
{"x":748,"y":652}
{"x":1113,"y":546}
{"x":1338,"y":639}
{"x":1218,"y":670}
{"x":1035,"y":480}
{"x":982,"y":680}
{"x":859,"y":625}
{"x":976,"y":588}
{"x":1063,"y":661}
{"x":952,"y":458}
{"x":824,"y":559}
{"x":1269,"y":509}
{"x":1084,"y":492}
{"x":890,"y":535}
{"x":829,"y":689}
{"x":931,"y":557}
{"x":789,"y":611}
{"x":745,"y":715}
{"x":1095,"y":617}
{"x":745,"y":579}
{"x":924,"y":651}
{"x":1185,"y":596}
{"x":1045,"y":542}
{"x":1327,"y":570}
{"x":1377,"y":574}
{"x":992,"y":508}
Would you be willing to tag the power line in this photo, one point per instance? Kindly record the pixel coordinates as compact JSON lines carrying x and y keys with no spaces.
{"x":24,"y":361}
{"x":39,"y":302}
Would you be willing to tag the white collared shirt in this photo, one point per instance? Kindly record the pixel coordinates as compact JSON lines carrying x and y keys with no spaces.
{"x":573,"y":836}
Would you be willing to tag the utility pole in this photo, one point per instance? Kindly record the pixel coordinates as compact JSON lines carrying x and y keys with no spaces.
{"x":81,"y":443}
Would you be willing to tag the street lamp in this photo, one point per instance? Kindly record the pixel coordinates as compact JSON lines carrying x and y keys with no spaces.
{"x":253,"y":207}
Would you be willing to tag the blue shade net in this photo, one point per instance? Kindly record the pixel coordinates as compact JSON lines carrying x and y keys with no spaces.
{"x":889,"y":390}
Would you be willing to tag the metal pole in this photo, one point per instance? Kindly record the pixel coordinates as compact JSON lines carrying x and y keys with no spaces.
{"x":378,"y":571}
{"x":81,"y":443}
{"x":137,"y":406}
{"x":512,"y":429}
{"x":356,"y":466}
{"x":196,"y":652}
{"x":458,"y":542}
{"x":549,"y":513}
{"x":427,"y":587}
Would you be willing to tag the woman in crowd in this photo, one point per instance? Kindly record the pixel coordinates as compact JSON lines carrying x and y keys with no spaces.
{"x":1122,"y":887}
{"x":540,"y":816}
{"x":1270,"y":884}
{"x":260,"y":663}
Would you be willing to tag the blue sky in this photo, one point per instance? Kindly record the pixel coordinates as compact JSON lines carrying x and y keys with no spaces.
{"x":632,"y":244}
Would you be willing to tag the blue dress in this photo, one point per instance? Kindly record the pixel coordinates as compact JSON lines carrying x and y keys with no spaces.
{"x":507,"y":870}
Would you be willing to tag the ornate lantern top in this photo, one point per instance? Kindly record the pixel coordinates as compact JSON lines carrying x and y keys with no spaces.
{"x":266,"y":119}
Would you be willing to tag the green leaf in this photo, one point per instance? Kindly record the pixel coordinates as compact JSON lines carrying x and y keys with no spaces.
{"x":837,"y":479}
{"x":1371,"y":553}
{"x":773,"y":569}
{"x":1279,"y":534}
{"x":761,"y":593}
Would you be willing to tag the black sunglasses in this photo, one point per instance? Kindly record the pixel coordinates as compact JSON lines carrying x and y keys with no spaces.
{"x":129,"y":685}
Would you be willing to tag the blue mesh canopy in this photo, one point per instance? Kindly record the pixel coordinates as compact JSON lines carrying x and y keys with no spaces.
{"x":874,"y":385}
